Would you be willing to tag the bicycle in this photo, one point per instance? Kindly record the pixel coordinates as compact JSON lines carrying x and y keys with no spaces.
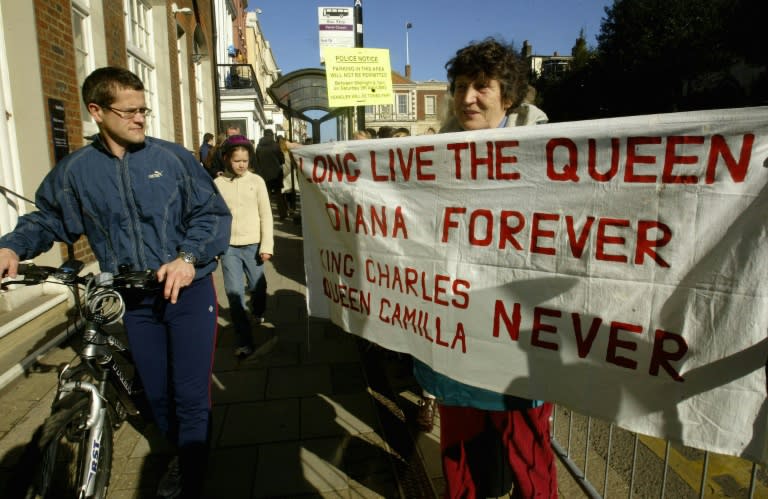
{"x":70,"y":454}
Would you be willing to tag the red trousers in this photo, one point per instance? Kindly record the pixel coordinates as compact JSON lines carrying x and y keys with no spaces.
{"x":485,"y":453}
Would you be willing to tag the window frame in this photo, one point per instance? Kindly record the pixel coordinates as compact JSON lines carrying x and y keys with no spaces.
{"x":140,"y":57}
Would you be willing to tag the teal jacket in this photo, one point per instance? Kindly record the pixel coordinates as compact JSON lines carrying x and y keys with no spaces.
{"x":451,"y":392}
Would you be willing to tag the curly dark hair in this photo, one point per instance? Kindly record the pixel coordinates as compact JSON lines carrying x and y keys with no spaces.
{"x":102,"y":84}
{"x":491,"y":59}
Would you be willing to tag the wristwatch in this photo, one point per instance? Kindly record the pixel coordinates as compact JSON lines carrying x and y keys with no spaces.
{"x":187,"y":257}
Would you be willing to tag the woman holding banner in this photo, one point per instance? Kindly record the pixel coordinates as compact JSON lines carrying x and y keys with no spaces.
{"x":490,"y":442}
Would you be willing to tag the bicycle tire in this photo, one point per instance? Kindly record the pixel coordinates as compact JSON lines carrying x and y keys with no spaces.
{"x":62,"y":447}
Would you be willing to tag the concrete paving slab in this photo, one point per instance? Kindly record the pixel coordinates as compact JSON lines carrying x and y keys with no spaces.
{"x":260,"y":422}
{"x":233,"y":472}
{"x":295,"y":468}
{"x":344,"y":414}
{"x":245,"y":385}
{"x":298,"y":381}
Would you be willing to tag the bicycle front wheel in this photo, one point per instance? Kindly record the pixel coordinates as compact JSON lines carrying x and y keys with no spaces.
{"x":64,"y":451}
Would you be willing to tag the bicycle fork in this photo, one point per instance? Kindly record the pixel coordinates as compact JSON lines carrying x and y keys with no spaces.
{"x":95,"y":426}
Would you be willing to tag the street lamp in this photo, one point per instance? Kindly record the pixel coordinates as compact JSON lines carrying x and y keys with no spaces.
{"x":183,"y":10}
{"x":408,"y":26}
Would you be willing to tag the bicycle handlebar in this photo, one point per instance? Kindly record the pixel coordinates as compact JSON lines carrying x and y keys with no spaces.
{"x":67,"y":273}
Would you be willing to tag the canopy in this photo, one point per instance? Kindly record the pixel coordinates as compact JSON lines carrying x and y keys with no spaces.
{"x":301,"y":91}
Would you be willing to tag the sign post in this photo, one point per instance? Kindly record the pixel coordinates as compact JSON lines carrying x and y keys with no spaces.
{"x":359,"y":44}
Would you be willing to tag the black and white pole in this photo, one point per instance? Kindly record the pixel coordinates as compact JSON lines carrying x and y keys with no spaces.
{"x":359,"y":43}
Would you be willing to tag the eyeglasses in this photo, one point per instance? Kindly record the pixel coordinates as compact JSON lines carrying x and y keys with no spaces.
{"x":128,"y":114}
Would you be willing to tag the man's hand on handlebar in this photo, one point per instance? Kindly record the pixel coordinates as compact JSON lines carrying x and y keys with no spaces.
{"x":176,"y":274}
{"x":9,"y":263}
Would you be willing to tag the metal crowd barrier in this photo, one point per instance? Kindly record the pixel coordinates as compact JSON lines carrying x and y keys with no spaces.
{"x":607,"y":461}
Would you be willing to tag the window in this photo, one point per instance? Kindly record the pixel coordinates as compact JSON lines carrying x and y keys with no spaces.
{"x":429,"y":105}
{"x":138,"y":23}
{"x":402,"y":103}
{"x":138,"y":26}
{"x":81,"y":31}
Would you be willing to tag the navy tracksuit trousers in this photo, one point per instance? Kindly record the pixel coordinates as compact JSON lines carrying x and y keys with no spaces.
{"x":173,"y":348}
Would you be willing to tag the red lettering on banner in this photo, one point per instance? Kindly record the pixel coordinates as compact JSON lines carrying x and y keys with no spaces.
{"x":401,"y":169}
{"x":737,"y":168}
{"x":635,"y":158}
{"x":348,"y":297}
{"x":337,"y":263}
{"x":592,"y":161}
{"x":577,"y":243}
{"x":495,"y":160}
{"x":511,"y":324}
{"x":486,"y":216}
{"x":448,"y":223}
{"x":485,"y":229}
{"x":507,"y":232}
{"x":584,"y":345}
{"x":538,"y":233}
{"x":510,"y":319}
{"x":645,"y":246}
{"x":329,"y":167}
{"x":649,"y":160}
{"x":671,"y":158}
{"x":541,"y":327}
{"x":615,"y":343}
{"x":355,"y":219}
{"x":440,"y":289}
{"x":661,"y":357}
{"x":419,"y":322}
{"x":603,"y":239}
{"x":571,"y":168}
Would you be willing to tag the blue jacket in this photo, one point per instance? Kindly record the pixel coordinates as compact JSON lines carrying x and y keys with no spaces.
{"x":140,"y":210}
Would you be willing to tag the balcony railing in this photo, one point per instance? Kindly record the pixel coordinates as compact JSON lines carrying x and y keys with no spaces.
{"x":238,"y":78}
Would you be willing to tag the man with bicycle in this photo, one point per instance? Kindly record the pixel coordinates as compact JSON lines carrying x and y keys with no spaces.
{"x":143,"y":203}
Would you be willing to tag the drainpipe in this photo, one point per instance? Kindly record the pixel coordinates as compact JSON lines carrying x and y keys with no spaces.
{"x":214,"y":66}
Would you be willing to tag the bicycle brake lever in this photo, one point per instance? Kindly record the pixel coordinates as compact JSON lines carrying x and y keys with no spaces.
{"x":4,"y":285}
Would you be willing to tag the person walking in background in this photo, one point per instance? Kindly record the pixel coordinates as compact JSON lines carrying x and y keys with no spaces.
{"x":251,"y":243}
{"x":214,"y":165}
{"x":490,"y":442}
{"x":290,"y":180}
{"x":401,"y":132}
{"x":269,"y":165}
{"x":205,"y":147}
{"x":143,"y":203}
{"x":385,"y":132}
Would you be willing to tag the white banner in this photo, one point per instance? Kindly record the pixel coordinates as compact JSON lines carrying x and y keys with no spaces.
{"x":614,"y":266}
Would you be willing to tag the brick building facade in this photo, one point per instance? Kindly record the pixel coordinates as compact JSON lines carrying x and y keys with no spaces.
{"x":47,"y":48}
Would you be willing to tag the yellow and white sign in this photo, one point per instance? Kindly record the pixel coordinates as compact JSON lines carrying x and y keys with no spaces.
{"x":358,"y":76}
